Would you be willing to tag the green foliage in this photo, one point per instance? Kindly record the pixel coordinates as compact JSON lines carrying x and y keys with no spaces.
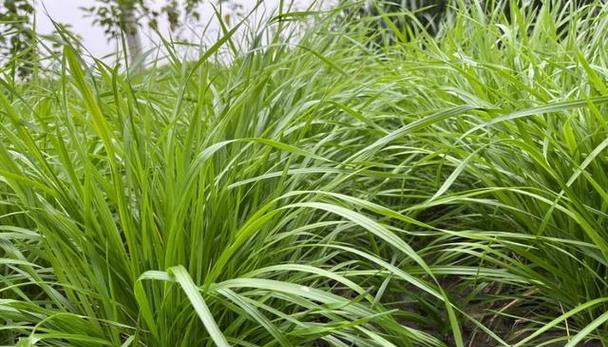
{"x":17,"y":45}
{"x":445,"y":190}
{"x":404,"y":17}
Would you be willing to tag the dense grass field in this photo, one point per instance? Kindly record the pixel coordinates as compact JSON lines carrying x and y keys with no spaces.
{"x":365,"y":185}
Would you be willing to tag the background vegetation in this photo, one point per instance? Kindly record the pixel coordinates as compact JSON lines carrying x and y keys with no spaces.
{"x":387,"y":187}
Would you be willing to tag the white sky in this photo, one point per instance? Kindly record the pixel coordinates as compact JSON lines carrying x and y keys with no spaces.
{"x":69,"y":12}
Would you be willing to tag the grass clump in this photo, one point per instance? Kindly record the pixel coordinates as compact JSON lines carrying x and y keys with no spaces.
{"x":344,"y":191}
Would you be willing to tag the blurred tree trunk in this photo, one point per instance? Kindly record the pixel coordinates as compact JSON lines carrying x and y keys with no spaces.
{"x":131,"y":29}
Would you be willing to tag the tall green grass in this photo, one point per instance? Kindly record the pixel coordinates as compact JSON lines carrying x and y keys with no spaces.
{"x":443,"y":190}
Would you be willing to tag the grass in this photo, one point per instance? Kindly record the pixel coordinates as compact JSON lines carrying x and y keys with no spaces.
{"x":345,"y":191}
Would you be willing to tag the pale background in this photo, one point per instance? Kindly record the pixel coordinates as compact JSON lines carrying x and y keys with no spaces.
{"x":68,"y":12}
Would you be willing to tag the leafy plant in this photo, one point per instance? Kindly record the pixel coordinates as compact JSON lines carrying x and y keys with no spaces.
{"x":443,"y":190}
